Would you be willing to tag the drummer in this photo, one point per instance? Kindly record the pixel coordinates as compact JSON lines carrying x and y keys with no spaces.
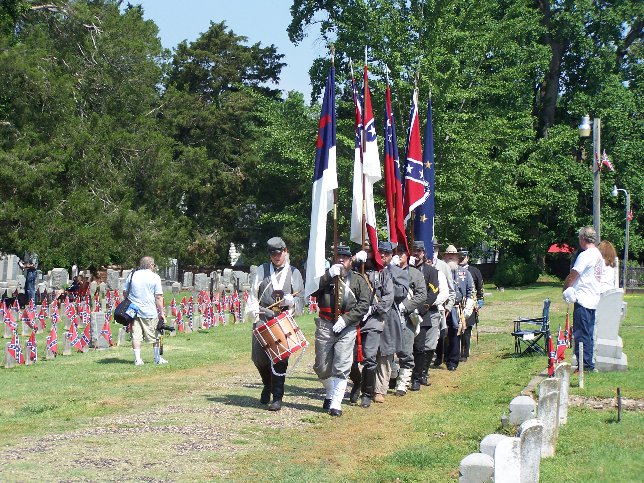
{"x":276,"y":287}
{"x":335,"y":333}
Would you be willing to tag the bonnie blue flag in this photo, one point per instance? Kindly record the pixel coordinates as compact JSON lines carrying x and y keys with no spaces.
{"x":325,"y":180}
{"x":424,"y":220}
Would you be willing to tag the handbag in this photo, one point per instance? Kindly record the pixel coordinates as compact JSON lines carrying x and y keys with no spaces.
{"x":126,"y":311}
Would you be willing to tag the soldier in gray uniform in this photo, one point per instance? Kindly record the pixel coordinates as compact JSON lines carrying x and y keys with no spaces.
{"x":442,"y":266}
{"x":392,"y":334}
{"x":335,"y":333}
{"x":371,"y":326}
{"x":279,"y":286}
{"x":409,"y":309}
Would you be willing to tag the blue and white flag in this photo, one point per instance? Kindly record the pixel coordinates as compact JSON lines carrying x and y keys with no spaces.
{"x":325,"y":180}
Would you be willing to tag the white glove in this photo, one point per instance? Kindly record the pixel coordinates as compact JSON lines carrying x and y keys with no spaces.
{"x":339,"y":325}
{"x":288,"y":300}
{"x":395,"y":260}
{"x":401,"y":308}
{"x":413,"y":261}
{"x":570,"y":295}
{"x":361,"y":256}
{"x":335,"y":270}
{"x":369,"y":312}
{"x":417,"y":331}
{"x":469,"y":308}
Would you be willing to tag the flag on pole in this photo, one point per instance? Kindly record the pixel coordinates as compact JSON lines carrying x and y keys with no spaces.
{"x":561,"y":345}
{"x":415,"y":191}
{"x":9,"y":320}
{"x":106,"y":332}
{"x":366,"y":173}
{"x":86,"y":337}
{"x":52,"y":340}
{"x":42,"y":316}
{"x":393,"y":185}
{"x":551,"y":356}
{"x":32,"y":348}
{"x":424,"y":219}
{"x":606,"y":162}
{"x":72,"y":336}
{"x":568,"y":333}
{"x":325,"y":181}
{"x":179,"y":320}
{"x":15,"y":350}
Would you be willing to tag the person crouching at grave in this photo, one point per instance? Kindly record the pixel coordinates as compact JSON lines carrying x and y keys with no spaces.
{"x":428,"y":331}
{"x":463,"y":307}
{"x":371,"y":326}
{"x":335,"y":329}
{"x":276,"y":287}
{"x":409,"y":310}
{"x":144,"y":290}
{"x":473,"y":319}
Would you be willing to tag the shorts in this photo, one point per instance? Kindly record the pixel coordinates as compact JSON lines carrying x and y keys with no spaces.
{"x":145,"y":329}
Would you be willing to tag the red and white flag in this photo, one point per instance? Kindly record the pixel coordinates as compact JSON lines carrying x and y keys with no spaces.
{"x":551,"y":357}
{"x":606,"y":162}
{"x":86,"y":337}
{"x":415,"y":183}
{"x":561,"y":345}
{"x":52,"y":340}
{"x":15,"y":350}
{"x":74,"y":339}
{"x":32,"y":348}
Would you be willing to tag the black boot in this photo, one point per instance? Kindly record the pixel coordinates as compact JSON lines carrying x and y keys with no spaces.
{"x":356,"y":377}
{"x":368,"y":386}
{"x":355,"y":393}
{"x":419,"y":358}
{"x":265,"y":398}
{"x":424,"y":375}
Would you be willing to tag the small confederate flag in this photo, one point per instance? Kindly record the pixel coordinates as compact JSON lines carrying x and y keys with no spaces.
{"x":551,"y":357}
{"x":42,"y":316}
{"x":246,"y":295}
{"x":180,"y":325}
{"x":52,"y":339}
{"x":313,"y":305}
{"x":9,"y":320}
{"x":16,"y":305}
{"x":561,"y":345}
{"x":567,"y":330}
{"x":74,"y":339}
{"x":606,"y":162}
{"x":15,"y":350}
{"x":32,"y":348}
{"x":106,"y":332}
{"x":173,"y":307}
{"x":27,"y":318}
{"x":86,"y":337}
{"x":183,"y":305}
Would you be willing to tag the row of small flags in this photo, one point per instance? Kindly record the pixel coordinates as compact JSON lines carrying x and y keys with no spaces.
{"x":212,"y":309}
{"x":564,"y":341}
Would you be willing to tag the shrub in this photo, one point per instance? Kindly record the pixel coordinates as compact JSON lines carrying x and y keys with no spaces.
{"x":514,"y":272}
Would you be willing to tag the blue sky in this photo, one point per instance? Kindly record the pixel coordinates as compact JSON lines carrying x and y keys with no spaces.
{"x":263,"y":21}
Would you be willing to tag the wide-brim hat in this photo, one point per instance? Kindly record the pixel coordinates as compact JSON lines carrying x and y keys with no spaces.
{"x":451,"y":250}
{"x":436,"y":243}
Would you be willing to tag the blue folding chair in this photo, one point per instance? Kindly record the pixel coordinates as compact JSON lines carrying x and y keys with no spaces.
{"x":531,"y":334}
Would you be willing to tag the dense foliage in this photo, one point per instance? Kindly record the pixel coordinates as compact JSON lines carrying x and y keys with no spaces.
{"x":111,"y":146}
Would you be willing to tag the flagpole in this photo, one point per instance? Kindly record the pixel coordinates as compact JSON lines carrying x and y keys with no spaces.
{"x":363,"y":144}
{"x":336,"y":305}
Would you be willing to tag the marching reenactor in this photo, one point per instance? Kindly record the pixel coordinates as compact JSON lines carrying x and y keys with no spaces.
{"x":276,"y":287}
{"x":441,"y":266}
{"x":474,"y":318}
{"x":371,"y":327}
{"x":410,"y":319}
{"x":392,"y":334}
{"x":463,"y":307}
{"x":343,"y":297}
{"x":427,"y":335}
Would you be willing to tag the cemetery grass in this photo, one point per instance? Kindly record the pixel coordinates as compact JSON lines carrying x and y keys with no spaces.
{"x":97,"y":417}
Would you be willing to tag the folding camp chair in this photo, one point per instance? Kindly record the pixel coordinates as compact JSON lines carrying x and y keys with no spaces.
{"x":531,"y":334}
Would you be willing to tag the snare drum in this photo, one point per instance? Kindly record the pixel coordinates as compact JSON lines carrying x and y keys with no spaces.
{"x":280,"y":337}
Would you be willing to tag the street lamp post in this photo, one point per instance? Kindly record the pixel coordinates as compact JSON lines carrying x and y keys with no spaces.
{"x":628,"y":211}
{"x":584,"y":132}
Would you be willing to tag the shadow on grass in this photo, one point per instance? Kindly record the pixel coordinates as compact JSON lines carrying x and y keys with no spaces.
{"x":238,"y":400}
{"x":114,"y":360}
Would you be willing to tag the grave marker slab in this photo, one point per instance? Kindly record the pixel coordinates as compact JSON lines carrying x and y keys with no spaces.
{"x":548,"y":412}
{"x":522,"y":408}
{"x":507,"y":461}
{"x":562,"y":373}
{"x":489,"y":442}
{"x":531,"y":435}
{"x":476,"y":468}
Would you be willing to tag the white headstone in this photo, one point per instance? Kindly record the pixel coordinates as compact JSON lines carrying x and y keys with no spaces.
{"x":562,"y":373}
{"x":112,"y":279}
{"x":522,"y":408}
{"x":187,"y":279}
{"x":489,"y":442}
{"x":59,"y":278}
{"x":531,"y":435}
{"x":176,"y":287}
{"x":476,"y":468}
{"x":12,"y":268}
{"x":609,"y":347}
{"x":202,"y":282}
{"x":507,"y":461}
{"x":548,"y":412}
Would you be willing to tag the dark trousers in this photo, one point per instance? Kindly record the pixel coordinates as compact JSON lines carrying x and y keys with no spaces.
{"x":584,"y":326}
{"x":367,"y":379}
{"x":270,"y":380}
{"x":465,"y":342}
{"x":440,"y":348}
{"x":453,"y":347}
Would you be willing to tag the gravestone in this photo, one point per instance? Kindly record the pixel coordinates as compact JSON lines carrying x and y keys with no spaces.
{"x":112,"y":279}
{"x":3,"y":269}
{"x":489,"y":442}
{"x":92,"y":288}
{"x":41,"y":287}
{"x":97,"y":319}
{"x":202,"y":282}
{"x":187,"y":279}
{"x":126,"y":273}
{"x":12,"y":268}
{"x":102,"y":288}
{"x":476,"y":468}
{"x":20,"y":279}
{"x":531,"y":435}
{"x":9,"y":360}
{"x":548,"y":413}
{"x":121,"y":337}
{"x":562,"y":373}
{"x":59,"y":278}
{"x":609,"y":355}
{"x":176,"y":287}
{"x":67,"y":347}
{"x":226,"y":280}
{"x":172,"y":272}
{"x":239,"y":279}
{"x":522,"y":408}
{"x":507,"y":461}
{"x":8,"y":333}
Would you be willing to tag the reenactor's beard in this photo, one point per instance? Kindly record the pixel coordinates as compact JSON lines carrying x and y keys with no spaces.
{"x":453,"y":265}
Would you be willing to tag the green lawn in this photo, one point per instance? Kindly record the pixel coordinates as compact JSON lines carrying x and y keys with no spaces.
{"x":97,"y":417}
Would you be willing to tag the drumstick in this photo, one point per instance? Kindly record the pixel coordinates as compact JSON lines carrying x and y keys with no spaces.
{"x":279,"y":302}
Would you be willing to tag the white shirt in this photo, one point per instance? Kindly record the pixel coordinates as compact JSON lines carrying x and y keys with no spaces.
{"x":609,"y":278}
{"x":142,"y":289}
{"x":588,"y":265}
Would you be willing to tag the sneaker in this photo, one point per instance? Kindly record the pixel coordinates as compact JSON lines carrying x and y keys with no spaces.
{"x":415,"y":385}
{"x":139,"y":362}
{"x":378,"y":398}
{"x":366,"y":402}
{"x":400,"y":393}
{"x":160,"y":360}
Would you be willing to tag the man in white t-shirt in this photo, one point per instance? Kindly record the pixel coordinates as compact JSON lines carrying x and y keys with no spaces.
{"x":584,"y":278}
{"x":143,"y":288}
